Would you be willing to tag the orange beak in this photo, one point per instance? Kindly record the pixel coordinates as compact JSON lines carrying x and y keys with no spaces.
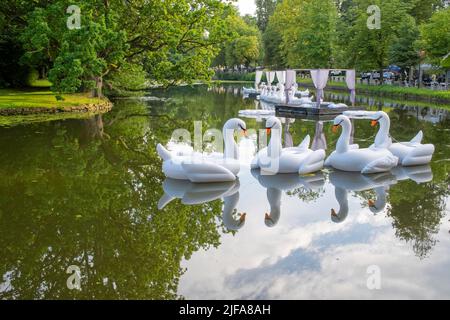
{"x":371,"y":203}
{"x":242,"y":218}
{"x":333,"y":213}
{"x":268,"y":131}
{"x":245,"y":132}
{"x":374,"y":123}
{"x":335,"y":128}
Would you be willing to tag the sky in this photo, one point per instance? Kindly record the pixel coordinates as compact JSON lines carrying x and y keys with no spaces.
{"x":247,"y":7}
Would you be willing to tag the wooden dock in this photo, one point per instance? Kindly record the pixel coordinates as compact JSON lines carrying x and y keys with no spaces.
{"x":323,"y":113}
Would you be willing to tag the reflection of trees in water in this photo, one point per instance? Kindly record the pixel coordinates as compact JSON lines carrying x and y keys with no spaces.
{"x":94,"y":205}
{"x":417,"y":211}
{"x":306,"y":195}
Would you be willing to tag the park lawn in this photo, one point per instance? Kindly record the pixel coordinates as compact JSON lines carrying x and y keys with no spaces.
{"x":41,"y":84}
{"x":42,"y":99}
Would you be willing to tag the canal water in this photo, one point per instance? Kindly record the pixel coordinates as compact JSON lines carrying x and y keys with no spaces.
{"x":86,"y":212}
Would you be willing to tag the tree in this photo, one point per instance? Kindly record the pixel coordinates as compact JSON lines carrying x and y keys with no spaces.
{"x":435,"y":37}
{"x":264,"y":10}
{"x":422,"y":10}
{"x":307,"y":30}
{"x":272,"y":41}
{"x":245,"y":45}
{"x":175,"y":41}
{"x":368,"y":48}
{"x":345,"y":33}
{"x":12,"y":23}
{"x":403,"y":51}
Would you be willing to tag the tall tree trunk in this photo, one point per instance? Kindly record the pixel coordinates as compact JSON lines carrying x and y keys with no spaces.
{"x":447,"y":76}
{"x":98,"y":91}
{"x":411,"y":76}
{"x":381,"y":76}
{"x":420,"y":75}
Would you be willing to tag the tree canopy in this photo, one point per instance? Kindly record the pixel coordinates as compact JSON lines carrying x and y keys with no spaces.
{"x":175,"y":41}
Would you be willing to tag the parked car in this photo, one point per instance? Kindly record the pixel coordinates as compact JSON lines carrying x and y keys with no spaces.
{"x":336,"y":73}
{"x":365,"y":75}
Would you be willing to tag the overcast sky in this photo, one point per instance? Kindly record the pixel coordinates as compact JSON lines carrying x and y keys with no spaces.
{"x":247,"y":6}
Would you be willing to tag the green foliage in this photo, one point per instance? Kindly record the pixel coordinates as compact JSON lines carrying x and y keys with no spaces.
{"x":370,"y":47}
{"x":446,"y":62}
{"x":170,"y":37}
{"x":403,"y":52}
{"x":245,"y":45}
{"x":130,"y":77}
{"x":312,"y":34}
{"x":235,"y":76}
{"x":307,"y":32}
{"x":422,"y":10}
{"x":174,"y":41}
{"x":435,"y":36}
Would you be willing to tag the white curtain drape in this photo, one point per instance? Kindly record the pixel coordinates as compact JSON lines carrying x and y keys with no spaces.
{"x":258,"y":78}
{"x":270,"y":77}
{"x":320,"y":79}
{"x":290,"y":81}
{"x":281,"y":76}
{"x":350,"y":79}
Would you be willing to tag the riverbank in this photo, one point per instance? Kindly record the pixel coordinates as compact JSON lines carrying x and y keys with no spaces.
{"x":424,"y":95}
{"x":28,"y":102}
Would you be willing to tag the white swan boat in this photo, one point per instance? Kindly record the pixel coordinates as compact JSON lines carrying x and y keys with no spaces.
{"x":353,"y":159}
{"x":250,"y":91}
{"x":275,"y":159}
{"x":411,"y":153}
{"x":277,"y":95}
{"x":201,"y":168}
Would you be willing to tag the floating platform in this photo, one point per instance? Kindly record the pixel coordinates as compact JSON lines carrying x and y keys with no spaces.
{"x":313,"y":113}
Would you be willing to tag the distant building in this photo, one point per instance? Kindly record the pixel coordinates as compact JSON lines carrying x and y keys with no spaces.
{"x":446,"y":3}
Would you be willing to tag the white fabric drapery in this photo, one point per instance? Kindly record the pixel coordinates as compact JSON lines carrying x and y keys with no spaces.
{"x":270,"y":77}
{"x":290,"y":81}
{"x":350,"y":79}
{"x":281,"y":76}
{"x":320,"y":79}
{"x":258,"y":78}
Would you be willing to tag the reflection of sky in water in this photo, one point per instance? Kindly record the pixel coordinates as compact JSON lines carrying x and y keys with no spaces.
{"x":307,"y":256}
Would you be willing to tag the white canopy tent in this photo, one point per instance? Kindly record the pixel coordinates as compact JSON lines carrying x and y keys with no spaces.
{"x":281,"y":76}
{"x":270,"y":77}
{"x":319,"y":78}
{"x":258,"y":78}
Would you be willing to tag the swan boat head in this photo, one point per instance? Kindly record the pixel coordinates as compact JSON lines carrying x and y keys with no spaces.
{"x":236,"y":124}
{"x":341,"y":121}
{"x":273,"y":123}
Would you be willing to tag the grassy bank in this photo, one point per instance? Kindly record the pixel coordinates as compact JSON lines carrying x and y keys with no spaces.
{"x":389,"y":90}
{"x":43,"y":99}
{"x":384,"y":90}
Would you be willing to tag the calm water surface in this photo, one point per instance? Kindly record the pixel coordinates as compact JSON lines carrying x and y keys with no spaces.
{"x":90,"y":193}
